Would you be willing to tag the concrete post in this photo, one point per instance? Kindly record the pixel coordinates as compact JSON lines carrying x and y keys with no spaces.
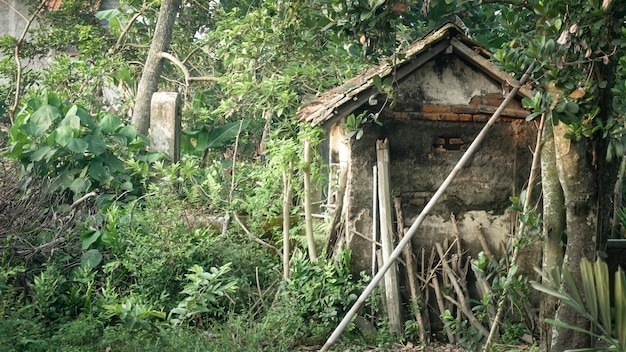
{"x":165,"y":115}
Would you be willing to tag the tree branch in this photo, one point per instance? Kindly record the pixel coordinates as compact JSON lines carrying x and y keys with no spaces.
{"x":15,"y":10}
{"x":126,"y":29}
{"x":16,"y":55}
{"x":173,"y":59}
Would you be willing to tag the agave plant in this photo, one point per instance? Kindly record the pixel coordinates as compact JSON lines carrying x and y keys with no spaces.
{"x":609,"y":322}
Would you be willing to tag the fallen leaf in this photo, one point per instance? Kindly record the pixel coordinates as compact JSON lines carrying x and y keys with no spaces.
{"x":398,"y":8}
{"x":563,"y":38}
{"x":577,"y":94}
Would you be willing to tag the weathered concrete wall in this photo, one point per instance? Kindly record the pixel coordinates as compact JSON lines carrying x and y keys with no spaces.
{"x":478,"y":197}
{"x":11,"y":13}
{"x":446,"y":80}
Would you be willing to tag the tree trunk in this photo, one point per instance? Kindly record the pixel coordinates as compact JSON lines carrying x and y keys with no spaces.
{"x":154,"y":64}
{"x":578,"y":180}
{"x":553,"y":229}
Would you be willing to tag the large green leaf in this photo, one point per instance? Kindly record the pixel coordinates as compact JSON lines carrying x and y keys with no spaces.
{"x":42,"y":153}
{"x":41,"y":120}
{"x":110,"y":123}
{"x":88,"y":238}
{"x":80,"y":185}
{"x":91,"y":258}
{"x":71,"y":119}
{"x":98,"y":171}
{"x":63,"y":134}
{"x":586,"y":271}
{"x":601,"y":273}
{"x":96,"y":145}
{"x":220,"y":135}
{"x":77,"y":145}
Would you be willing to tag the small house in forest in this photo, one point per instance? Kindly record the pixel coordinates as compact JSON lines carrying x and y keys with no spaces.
{"x":444,"y":88}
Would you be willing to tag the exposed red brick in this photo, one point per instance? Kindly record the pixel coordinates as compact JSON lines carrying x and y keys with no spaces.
{"x":475,"y":101}
{"x":465,"y":117}
{"x":480,"y":118}
{"x":455,"y":141}
{"x":435,"y":108}
{"x":450,"y":117}
{"x":432,"y":116}
{"x":464,"y":109}
{"x":492,"y":101}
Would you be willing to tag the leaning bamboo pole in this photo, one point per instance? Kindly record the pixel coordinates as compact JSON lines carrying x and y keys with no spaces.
{"x":431,"y":203}
{"x":520,"y":232}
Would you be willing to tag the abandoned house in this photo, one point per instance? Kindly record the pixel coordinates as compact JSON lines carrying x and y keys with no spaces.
{"x":444,"y":90}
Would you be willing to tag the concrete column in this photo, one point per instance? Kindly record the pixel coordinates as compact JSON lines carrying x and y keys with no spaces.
{"x":165,"y":115}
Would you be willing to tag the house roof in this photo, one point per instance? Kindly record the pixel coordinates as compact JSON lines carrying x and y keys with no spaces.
{"x":345,"y":99}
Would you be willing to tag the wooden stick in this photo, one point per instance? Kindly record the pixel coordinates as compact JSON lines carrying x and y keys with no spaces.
{"x":462,"y":303}
{"x":442,"y":308}
{"x":431,"y":203}
{"x":392,"y":293}
{"x":286,"y":213}
{"x":416,"y":296}
{"x":374,"y":215}
{"x":308,"y":219}
{"x":334,"y":226}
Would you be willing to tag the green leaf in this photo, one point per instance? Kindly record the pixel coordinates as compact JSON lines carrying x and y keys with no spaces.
{"x":86,"y":119}
{"x":589,"y":288}
{"x":128,"y":131}
{"x":98,"y":172}
{"x":220,"y":135}
{"x":91,"y":258}
{"x":77,"y":145}
{"x":571,"y":107}
{"x":532,"y":116}
{"x":80,"y":185}
{"x":96,"y":145}
{"x":567,"y":326}
{"x":63,"y":134}
{"x":88,"y":238}
{"x":72,"y":121}
{"x":601,"y":274}
{"x":41,"y":120}
{"x":44,"y":152}
{"x":110,"y":123}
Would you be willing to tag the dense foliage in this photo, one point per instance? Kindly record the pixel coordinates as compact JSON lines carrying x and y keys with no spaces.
{"x":105,"y":245}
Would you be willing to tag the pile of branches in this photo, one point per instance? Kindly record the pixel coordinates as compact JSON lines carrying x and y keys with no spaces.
{"x":30,"y":226}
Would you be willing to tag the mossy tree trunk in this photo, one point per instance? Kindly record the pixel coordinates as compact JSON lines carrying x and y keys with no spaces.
{"x":154,"y":64}
{"x":578,"y":181}
{"x":553,"y":229}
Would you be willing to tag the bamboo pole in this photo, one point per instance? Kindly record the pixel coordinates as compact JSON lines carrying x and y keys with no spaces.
{"x":286,"y":213}
{"x":522,"y":227}
{"x":431,"y":203}
{"x":308,"y":218}
{"x":416,"y":295}
{"x":374,"y":216}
